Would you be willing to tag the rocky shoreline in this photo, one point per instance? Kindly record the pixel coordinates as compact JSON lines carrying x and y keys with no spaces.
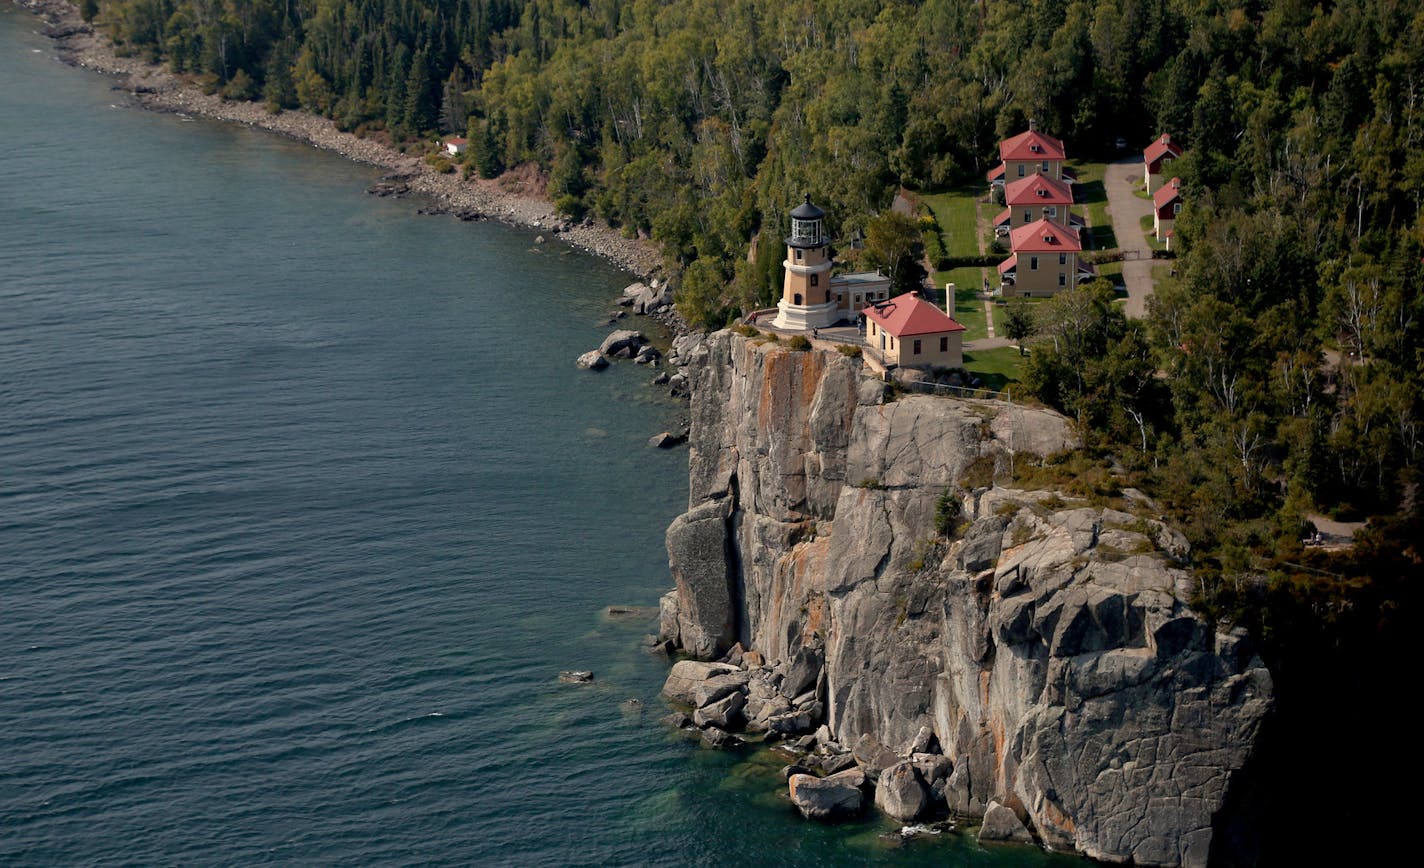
{"x":154,"y":87}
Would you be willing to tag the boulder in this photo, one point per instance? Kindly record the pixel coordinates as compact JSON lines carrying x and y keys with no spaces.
{"x":792,"y":722}
{"x":873,"y":756}
{"x":851,"y":777}
{"x":687,"y":675}
{"x":667,"y":440}
{"x":667,"y":616}
{"x":696,"y":541}
{"x":837,"y":762}
{"x":900,"y":792}
{"x":622,"y":341}
{"x":793,"y":769}
{"x":725,"y":713}
{"x":593,"y":360}
{"x":803,"y":673}
{"x":714,"y":737}
{"x":676,"y":720}
{"x":576,"y":676}
{"x":1002,"y":824}
{"x":719,"y":686}
{"x":662,"y":378}
{"x":824,"y":798}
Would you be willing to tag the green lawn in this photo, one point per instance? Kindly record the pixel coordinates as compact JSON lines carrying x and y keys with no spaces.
{"x":997,"y":368}
{"x":1091,"y":197}
{"x":1150,"y":234}
{"x":968,"y":309}
{"x":1112,"y":271}
{"x":958,"y":223}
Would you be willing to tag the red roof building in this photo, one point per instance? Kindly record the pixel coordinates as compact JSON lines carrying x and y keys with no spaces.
{"x":911,"y":332}
{"x":1036,"y":197}
{"x":1157,"y":159}
{"x":1045,"y":260}
{"x":1030,"y":153}
{"x":1166,"y":205}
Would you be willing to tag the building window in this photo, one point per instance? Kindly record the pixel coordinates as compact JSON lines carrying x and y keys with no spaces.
{"x":917,"y":346}
{"x":1028,"y":215}
{"x":840,"y":299}
{"x":1062,"y":278}
{"x":944,"y":345}
{"x":796,"y":299}
{"x":1045,"y":167}
{"x":815,"y":279}
{"x":1021,"y":168}
{"x":1062,"y":259}
{"x":1032,"y":265}
{"x":798,"y":254}
{"x":892,"y":342}
{"x":1050,"y":211}
{"x":1176,"y":208}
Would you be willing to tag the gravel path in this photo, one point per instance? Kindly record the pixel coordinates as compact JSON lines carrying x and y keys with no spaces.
{"x":1127,"y":211}
{"x":154,"y":87}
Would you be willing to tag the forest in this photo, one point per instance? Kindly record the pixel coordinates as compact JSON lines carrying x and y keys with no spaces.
{"x":1279,"y":373}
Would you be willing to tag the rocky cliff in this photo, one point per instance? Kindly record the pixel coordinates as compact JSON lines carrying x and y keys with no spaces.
{"x":1044,"y":641}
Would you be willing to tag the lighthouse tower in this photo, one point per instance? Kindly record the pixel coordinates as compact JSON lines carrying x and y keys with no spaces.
{"x":806,"y":301}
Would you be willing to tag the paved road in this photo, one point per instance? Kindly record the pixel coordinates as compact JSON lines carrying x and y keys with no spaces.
{"x":1127,"y":212}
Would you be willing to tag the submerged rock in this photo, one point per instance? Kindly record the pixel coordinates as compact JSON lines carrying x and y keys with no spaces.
{"x":576,"y":676}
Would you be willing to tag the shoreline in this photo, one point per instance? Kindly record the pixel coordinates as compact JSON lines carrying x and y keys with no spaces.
{"x":155,"y":88}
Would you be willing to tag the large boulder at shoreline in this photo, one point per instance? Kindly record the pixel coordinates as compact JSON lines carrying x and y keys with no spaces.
{"x":1002,"y":824}
{"x":706,"y":615}
{"x":824,"y":798}
{"x":719,"y":686}
{"x":622,"y":341}
{"x":724,"y":713}
{"x":688,"y":675}
{"x":900,"y":792}
{"x":593,"y":360}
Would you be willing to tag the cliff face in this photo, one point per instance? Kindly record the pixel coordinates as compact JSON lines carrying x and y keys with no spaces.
{"x":1046,"y":643}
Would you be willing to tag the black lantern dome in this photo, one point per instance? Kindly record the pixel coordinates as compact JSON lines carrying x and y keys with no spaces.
{"x":806,"y":225}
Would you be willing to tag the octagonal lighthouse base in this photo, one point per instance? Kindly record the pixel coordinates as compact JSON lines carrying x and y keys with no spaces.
{"x":804,"y":317}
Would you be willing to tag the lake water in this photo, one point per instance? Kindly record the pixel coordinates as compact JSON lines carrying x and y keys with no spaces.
{"x":304,"y":506}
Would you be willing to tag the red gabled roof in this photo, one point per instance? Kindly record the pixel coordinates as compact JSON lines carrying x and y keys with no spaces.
{"x":1003,"y":216}
{"x":1009,"y":264}
{"x":1167,"y":192}
{"x":1038,"y":189}
{"x":456,"y":141}
{"x":908,"y":314}
{"x":1031,"y":145}
{"x":1044,"y":236}
{"x":1161,"y":148}
{"x":996,"y":173}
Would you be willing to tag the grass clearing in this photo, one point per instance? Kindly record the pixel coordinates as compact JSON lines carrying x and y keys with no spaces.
{"x":997,"y":368}
{"x":958,"y":221}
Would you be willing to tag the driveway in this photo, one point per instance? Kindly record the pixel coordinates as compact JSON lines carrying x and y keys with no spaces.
{"x":1127,"y":212}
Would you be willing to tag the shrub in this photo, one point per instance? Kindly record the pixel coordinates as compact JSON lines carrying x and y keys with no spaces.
{"x":850,"y":351}
{"x":440,"y":163}
{"x":799,"y":343}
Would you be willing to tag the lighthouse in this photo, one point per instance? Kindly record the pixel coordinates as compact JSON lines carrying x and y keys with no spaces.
{"x":806,"y":301}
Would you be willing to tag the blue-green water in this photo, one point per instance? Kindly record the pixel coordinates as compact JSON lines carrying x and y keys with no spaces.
{"x":303,"y":507}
